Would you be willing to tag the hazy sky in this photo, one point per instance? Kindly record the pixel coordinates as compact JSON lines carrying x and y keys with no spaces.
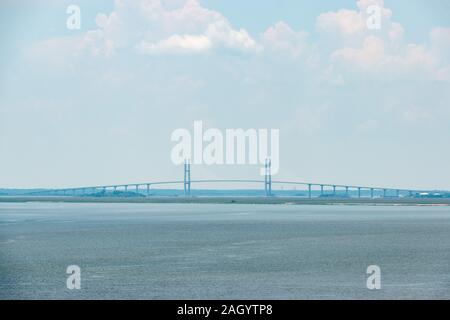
{"x":98,"y":105}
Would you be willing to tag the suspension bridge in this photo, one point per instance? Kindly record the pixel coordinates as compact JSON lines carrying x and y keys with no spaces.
{"x":310,"y":189}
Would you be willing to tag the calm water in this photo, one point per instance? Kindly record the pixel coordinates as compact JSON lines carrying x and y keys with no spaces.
{"x":223,"y":251}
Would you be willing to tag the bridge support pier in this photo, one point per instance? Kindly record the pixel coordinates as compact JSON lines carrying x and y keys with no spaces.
{"x":359,"y":192}
{"x":187,"y":178}
{"x":267,"y":178}
{"x":309,"y":191}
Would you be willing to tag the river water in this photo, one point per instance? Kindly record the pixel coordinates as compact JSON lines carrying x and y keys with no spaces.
{"x":223,"y":251}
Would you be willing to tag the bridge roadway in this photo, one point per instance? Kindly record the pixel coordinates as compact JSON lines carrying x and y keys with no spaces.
{"x":139,"y":187}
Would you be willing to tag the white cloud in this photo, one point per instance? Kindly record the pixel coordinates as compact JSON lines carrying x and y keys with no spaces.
{"x":155,"y":27}
{"x":281,"y":38}
{"x":371,"y":55}
{"x":217,"y":35}
{"x":65,"y":52}
{"x":382,"y":52}
{"x":344,"y":22}
{"x":350,"y":26}
{"x":158,"y":27}
{"x":395,"y":32}
{"x":177,"y":44}
{"x":375,"y":57}
{"x":222,"y":34}
{"x":440,"y":41}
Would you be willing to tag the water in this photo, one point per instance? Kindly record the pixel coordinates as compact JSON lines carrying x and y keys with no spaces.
{"x":208,"y":251}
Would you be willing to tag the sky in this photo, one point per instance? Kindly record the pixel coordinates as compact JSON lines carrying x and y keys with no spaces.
{"x":98,"y":105}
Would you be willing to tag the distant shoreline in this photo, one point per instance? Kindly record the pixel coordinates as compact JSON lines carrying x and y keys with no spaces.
{"x":234,"y":200}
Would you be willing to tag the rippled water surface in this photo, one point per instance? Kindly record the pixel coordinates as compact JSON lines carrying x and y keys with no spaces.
{"x":209,"y":251}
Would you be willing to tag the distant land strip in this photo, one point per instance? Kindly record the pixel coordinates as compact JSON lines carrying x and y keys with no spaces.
{"x":234,"y":200}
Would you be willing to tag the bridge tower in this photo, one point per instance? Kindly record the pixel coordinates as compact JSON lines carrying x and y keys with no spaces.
{"x":187,"y":178}
{"x":267,"y":178}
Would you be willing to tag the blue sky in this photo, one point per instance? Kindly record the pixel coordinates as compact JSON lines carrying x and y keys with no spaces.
{"x":98,"y":105}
